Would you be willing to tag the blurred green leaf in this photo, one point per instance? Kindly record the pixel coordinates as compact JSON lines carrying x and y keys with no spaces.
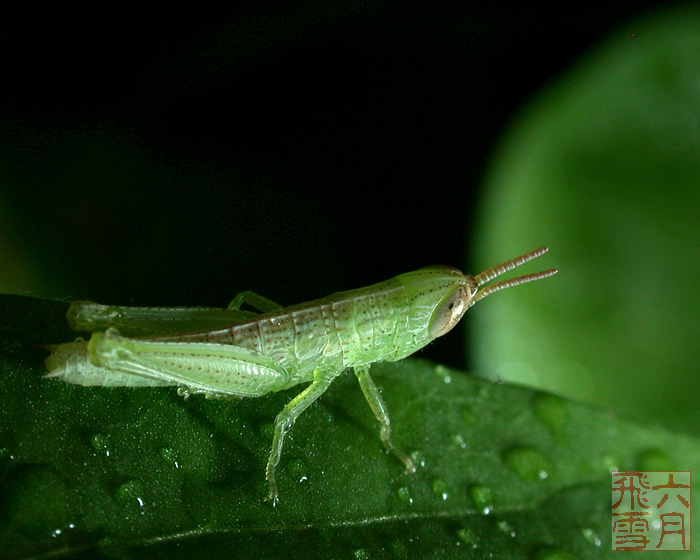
{"x":505,"y":472}
{"x":604,"y":167}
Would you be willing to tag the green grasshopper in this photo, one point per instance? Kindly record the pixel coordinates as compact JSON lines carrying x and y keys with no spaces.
{"x":235,"y":353}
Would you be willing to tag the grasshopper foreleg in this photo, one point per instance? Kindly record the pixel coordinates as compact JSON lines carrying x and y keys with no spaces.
{"x":376,"y":403}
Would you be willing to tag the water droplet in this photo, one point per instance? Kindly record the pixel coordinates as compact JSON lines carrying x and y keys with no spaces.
{"x":418,"y":458}
{"x":609,"y":463}
{"x":443,"y":373}
{"x":482,"y":498}
{"x":466,"y":536}
{"x":458,"y":439}
{"x":552,"y":411}
{"x":439,"y":488}
{"x":169,"y":455}
{"x":100,"y":443}
{"x":360,"y":554}
{"x":5,"y":454}
{"x":506,"y":527}
{"x":655,"y":460}
{"x":184,"y":392}
{"x":528,"y":463}
{"x":130,"y":493}
{"x":591,"y":536}
{"x":56,"y":533}
{"x":298,"y":469}
{"x":404,"y":495}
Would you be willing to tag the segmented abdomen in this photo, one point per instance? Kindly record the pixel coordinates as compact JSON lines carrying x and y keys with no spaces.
{"x":342,"y":330}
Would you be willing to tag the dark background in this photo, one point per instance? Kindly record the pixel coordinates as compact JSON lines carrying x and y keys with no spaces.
{"x":292,"y":148}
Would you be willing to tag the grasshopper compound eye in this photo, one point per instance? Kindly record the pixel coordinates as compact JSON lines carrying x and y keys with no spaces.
{"x":450,"y":312}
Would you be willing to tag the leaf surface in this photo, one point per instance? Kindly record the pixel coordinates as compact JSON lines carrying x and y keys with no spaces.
{"x":505,"y":472}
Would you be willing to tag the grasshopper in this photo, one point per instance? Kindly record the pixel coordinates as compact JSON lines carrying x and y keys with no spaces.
{"x":235,"y":353}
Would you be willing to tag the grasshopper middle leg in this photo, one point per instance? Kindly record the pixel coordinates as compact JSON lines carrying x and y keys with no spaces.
{"x":285,"y":420}
{"x":376,"y":403}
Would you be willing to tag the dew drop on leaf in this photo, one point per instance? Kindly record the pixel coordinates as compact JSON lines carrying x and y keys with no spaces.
{"x":298,"y":469}
{"x":61,"y":531}
{"x":458,"y":439}
{"x":404,"y":495}
{"x":130,"y":493}
{"x":439,"y":488}
{"x":610,"y":463}
{"x":418,"y":458}
{"x":169,"y":455}
{"x":528,"y":463}
{"x":591,"y":536}
{"x":100,"y":443}
{"x":551,"y":411}
{"x":482,"y":498}
{"x":506,"y":528}
{"x":443,"y":373}
{"x":466,"y":536}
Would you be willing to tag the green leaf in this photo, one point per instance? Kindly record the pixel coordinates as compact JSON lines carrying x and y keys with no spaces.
{"x":505,"y":472}
{"x":604,"y":167}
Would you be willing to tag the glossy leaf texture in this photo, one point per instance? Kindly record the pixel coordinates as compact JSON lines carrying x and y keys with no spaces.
{"x":505,"y":472}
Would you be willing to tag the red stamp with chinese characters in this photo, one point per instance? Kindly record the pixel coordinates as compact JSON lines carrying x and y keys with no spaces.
{"x":650,"y":510}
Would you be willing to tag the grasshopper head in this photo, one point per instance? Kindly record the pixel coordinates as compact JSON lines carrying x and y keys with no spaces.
{"x":438,"y":297}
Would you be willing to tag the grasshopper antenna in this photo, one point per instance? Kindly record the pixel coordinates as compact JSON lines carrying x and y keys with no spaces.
{"x":504,"y":267}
